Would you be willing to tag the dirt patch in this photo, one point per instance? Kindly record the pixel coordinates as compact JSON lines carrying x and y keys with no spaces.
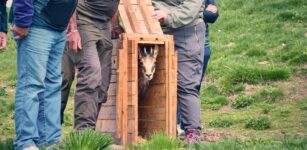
{"x":226,"y":108}
{"x":214,"y":136}
{"x":117,"y":147}
{"x":263,"y":63}
{"x":249,"y":89}
{"x":230,"y":45}
{"x":295,"y":88}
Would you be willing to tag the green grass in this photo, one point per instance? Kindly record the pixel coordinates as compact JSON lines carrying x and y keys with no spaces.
{"x":159,"y":141}
{"x":85,"y":140}
{"x":7,"y":145}
{"x":220,"y":123}
{"x":260,"y":123}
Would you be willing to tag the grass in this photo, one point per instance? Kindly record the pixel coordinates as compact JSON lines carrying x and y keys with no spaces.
{"x":260,"y":123}
{"x":86,"y":140}
{"x":220,"y":123}
{"x":159,"y":141}
{"x":162,"y":142}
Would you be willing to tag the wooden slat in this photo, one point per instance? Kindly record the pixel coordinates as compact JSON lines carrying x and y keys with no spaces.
{"x":112,"y":89}
{"x":152,"y":25}
{"x":172,"y":88}
{"x":125,"y":19}
{"x":131,"y":16}
{"x":109,"y":113}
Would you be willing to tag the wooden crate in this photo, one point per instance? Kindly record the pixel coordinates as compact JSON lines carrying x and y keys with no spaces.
{"x":123,"y":115}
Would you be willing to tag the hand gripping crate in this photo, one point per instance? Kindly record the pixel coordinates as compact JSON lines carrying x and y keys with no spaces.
{"x":124,"y":116}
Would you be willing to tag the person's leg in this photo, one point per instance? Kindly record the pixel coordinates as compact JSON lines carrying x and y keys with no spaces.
{"x":68,"y":74}
{"x":89,"y":79}
{"x":49,"y":124}
{"x":105,"y":47}
{"x":32,"y":58}
{"x":189,"y":45}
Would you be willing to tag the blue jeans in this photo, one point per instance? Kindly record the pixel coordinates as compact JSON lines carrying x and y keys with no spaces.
{"x":38,"y":91}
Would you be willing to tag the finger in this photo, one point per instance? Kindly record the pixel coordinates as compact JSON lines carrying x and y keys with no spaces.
{"x":70,"y":45}
{"x":79,"y":44}
{"x":75,"y":45}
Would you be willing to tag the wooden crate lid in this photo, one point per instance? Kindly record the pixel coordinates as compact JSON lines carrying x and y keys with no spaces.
{"x":136,"y":17}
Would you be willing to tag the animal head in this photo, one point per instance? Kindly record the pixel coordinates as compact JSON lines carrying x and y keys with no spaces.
{"x":148,"y":56}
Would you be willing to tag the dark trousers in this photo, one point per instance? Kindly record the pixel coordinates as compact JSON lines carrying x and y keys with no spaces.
{"x":190,"y":48}
{"x":94,"y":72}
{"x":68,"y":74}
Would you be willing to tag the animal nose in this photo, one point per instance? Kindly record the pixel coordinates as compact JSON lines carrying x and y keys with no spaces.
{"x":148,"y":75}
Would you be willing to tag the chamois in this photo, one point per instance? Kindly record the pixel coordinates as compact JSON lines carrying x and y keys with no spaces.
{"x":147,"y":66}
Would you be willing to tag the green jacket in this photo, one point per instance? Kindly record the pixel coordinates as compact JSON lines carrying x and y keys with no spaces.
{"x":180,"y":13}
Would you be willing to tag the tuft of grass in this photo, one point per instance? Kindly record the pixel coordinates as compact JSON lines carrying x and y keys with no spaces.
{"x":7,"y":145}
{"x":159,"y":141}
{"x":253,"y":75}
{"x":260,"y":123}
{"x":3,"y":91}
{"x":294,"y":57}
{"x":216,"y":102}
{"x":266,"y":108}
{"x":256,"y":53}
{"x":86,"y":139}
{"x":220,"y":123}
{"x":242,"y":101}
{"x":269,"y":94}
{"x":284,"y":113}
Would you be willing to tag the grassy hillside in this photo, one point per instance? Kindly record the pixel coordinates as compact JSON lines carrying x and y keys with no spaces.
{"x":255,"y":89}
{"x":258,"y":69}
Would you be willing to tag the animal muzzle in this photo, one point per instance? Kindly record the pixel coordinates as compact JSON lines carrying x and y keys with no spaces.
{"x":148,"y":76}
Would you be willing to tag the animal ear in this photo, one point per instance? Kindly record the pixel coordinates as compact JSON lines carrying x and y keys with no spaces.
{"x":156,"y":50}
{"x":140,"y":52}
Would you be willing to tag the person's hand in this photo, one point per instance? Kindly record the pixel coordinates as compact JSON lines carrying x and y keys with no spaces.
{"x":159,"y":15}
{"x":73,"y":41}
{"x":20,"y":33}
{"x":211,"y":8}
{"x":2,"y":40}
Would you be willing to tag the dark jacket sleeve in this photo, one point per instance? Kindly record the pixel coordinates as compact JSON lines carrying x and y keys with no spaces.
{"x":210,"y":17}
{"x":3,"y":16}
{"x":23,"y":13}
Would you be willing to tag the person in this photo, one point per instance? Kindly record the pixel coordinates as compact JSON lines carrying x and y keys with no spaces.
{"x":210,"y":16}
{"x":68,"y":66}
{"x":3,"y":24}
{"x":93,"y":60}
{"x":39,"y":30}
{"x":183,"y":19}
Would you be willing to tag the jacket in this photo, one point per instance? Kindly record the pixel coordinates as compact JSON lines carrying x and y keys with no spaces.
{"x":180,"y":13}
{"x":51,"y":14}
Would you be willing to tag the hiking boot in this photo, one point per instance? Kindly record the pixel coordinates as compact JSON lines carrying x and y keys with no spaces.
{"x":31,"y":148}
{"x":191,"y":136}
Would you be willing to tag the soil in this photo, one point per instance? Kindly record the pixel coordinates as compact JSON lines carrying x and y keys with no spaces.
{"x":210,"y":135}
